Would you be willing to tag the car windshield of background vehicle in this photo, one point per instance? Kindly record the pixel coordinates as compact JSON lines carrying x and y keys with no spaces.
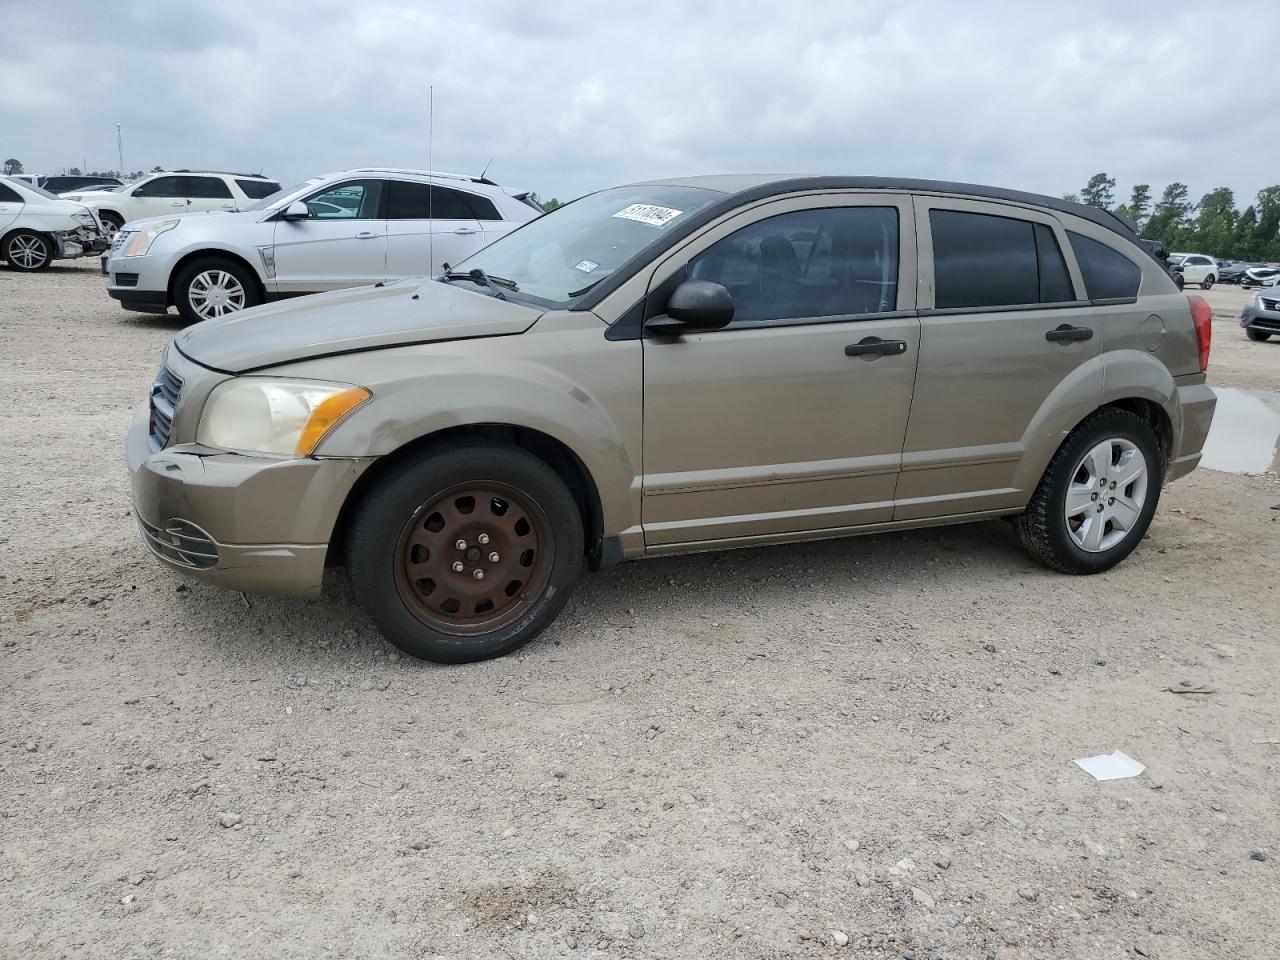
{"x":558,"y":257}
{"x":41,"y":191}
{"x":282,"y":197}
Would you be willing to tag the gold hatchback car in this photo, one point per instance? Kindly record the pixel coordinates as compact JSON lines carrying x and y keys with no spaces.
{"x":675,"y":366}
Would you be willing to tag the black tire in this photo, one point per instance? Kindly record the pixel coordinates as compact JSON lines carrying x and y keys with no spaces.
{"x":27,"y":251}
{"x":1258,"y":336}
{"x":1178,"y":281}
{"x":111,"y":222}
{"x":1043,"y":528}
{"x":182,"y":286}
{"x":391,"y":510}
{"x":1207,"y":282}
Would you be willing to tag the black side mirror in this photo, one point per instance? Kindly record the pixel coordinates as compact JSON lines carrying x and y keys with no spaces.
{"x":694,"y":306}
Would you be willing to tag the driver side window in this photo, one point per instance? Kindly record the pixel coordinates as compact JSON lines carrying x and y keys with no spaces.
{"x":160,"y":187}
{"x":354,"y":200}
{"x":833,"y":262}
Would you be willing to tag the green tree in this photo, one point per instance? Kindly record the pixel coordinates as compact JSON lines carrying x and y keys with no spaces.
{"x":12,"y":166}
{"x":1100,"y":191}
{"x":1267,"y":242}
{"x":1071,"y":197}
{"x":1168,"y":222}
{"x":1244,"y":238}
{"x":1140,"y":201}
{"x":552,"y":204}
{"x":73,"y":172}
{"x":1216,"y":223}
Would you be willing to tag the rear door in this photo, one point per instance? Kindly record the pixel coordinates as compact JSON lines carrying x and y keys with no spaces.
{"x":427,"y":227}
{"x":10,"y":205}
{"x":206,"y":193}
{"x":1004,"y":326}
{"x":791,"y":419}
{"x":342,"y":243}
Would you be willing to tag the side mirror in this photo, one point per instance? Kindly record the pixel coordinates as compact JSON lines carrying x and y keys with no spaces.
{"x":695,"y":305}
{"x":295,"y":211}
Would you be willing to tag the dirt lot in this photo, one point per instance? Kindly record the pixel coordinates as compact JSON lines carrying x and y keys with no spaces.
{"x":858,"y":748}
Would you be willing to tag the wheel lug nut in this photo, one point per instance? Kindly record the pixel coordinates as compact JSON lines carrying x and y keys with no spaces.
{"x":1093,"y":496}
{"x":483,"y":539}
{"x":457,"y":566}
{"x":1111,"y":500}
{"x":478,"y":573}
{"x":493,"y":557}
{"x":1113,"y":484}
{"x":461,"y":544}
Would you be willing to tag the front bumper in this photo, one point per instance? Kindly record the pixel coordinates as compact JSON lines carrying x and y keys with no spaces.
{"x":1255,"y":317}
{"x":139,"y":283}
{"x":245,"y":523}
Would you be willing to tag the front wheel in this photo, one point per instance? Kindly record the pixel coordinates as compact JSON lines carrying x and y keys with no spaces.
{"x":1097,"y":497}
{"x":27,"y":250}
{"x":465,"y":551}
{"x":1258,"y":336}
{"x":214,"y":287}
{"x":111,"y":224}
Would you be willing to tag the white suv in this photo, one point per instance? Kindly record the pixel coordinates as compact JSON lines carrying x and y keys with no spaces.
{"x":341,"y":230}
{"x":173,"y":192}
{"x":1197,"y":268}
{"x":37,"y":228}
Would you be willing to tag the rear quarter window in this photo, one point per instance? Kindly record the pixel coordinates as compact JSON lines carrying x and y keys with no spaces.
{"x":1108,"y":274}
{"x":257,"y":189}
{"x":9,"y":195}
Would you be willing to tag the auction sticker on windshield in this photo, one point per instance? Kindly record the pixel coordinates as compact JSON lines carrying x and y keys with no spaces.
{"x":648,"y":213}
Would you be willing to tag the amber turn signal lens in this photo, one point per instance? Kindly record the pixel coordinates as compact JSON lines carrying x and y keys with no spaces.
{"x":325,"y":415}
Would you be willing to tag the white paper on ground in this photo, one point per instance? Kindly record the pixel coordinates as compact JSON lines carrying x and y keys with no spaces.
{"x":1111,"y":766}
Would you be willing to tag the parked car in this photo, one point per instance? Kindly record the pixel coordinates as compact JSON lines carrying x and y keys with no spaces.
{"x":1261,"y":315}
{"x":1260,"y":277}
{"x":341,"y":230}
{"x":675,"y":366}
{"x":66,"y":183}
{"x":1232,"y":271}
{"x":37,"y":228}
{"x":1198,"y":268}
{"x":175,"y":192}
{"x":1158,"y":250}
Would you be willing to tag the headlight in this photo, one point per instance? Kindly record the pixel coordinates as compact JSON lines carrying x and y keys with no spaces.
{"x":284,"y":417}
{"x":85,"y":219}
{"x":141,"y":241}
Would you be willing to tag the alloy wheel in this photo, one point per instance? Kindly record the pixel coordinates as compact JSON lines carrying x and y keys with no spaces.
{"x":474,"y":558}
{"x":28,"y":251}
{"x":214,"y":293}
{"x":1105,"y":496}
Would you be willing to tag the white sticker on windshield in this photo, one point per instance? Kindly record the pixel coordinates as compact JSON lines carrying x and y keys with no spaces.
{"x":585,"y":266}
{"x":648,"y":213}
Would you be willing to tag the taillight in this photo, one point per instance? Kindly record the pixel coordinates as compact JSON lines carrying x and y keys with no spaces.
{"x":1202,"y":317}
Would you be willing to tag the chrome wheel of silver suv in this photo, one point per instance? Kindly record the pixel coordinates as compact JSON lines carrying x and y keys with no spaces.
{"x":214,"y":293}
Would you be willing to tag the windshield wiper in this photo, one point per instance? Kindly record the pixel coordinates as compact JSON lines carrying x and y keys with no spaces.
{"x":578,"y":293}
{"x":478,"y":276}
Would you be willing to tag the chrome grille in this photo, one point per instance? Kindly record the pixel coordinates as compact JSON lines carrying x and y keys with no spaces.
{"x":181,"y":542}
{"x":1270,"y":304}
{"x":164,"y":400}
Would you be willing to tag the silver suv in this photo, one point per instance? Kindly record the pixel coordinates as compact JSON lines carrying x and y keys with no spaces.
{"x":345,"y":229}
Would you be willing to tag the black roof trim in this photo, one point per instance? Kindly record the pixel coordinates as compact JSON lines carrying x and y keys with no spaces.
{"x":779,"y":188}
{"x":225,"y":173}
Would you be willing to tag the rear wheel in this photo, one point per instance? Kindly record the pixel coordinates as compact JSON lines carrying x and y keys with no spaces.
{"x":214,"y":287}
{"x":1096,"y":499}
{"x":1257,"y":335}
{"x":27,"y":250}
{"x":1207,"y":282}
{"x":465,"y":551}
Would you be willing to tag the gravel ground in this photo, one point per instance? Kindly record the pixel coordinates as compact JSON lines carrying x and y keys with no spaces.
{"x":853,"y":748}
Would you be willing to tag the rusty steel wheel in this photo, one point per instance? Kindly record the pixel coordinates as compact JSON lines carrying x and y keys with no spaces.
{"x":464,"y":550}
{"x":473,"y":558}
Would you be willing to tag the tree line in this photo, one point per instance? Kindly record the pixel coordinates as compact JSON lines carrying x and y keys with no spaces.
{"x":1213,"y":225}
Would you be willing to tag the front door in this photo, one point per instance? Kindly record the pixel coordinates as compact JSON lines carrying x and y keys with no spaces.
{"x":342,"y":243}
{"x":1006,"y":336}
{"x":160,"y":197}
{"x":792,"y":417}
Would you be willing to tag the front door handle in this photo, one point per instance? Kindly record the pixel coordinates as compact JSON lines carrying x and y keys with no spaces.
{"x":366,"y":235}
{"x":1066,"y":333}
{"x":873,"y":348}
{"x":466,"y":230}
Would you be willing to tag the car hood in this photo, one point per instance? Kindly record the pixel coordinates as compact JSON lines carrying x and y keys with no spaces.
{"x":362,"y":318}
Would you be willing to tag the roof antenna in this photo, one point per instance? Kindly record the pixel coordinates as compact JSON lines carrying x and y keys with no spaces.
{"x":486,"y":169}
{"x":431,"y":187}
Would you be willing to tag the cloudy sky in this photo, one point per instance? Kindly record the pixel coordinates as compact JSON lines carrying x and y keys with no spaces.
{"x":570,"y":97}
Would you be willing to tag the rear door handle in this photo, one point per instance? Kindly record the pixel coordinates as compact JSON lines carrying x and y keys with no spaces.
{"x":466,"y":230}
{"x":1065,"y":333}
{"x":366,"y":235}
{"x":873,"y":347}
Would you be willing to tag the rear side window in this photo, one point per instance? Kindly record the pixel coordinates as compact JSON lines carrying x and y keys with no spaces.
{"x":421,"y":201}
{"x":257,"y":189}
{"x":980,"y":260}
{"x":205,"y":188}
{"x":1108,"y":275}
{"x":9,"y":195}
{"x":482,"y":208}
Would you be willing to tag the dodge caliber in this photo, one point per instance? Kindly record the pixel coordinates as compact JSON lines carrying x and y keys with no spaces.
{"x":675,"y":366}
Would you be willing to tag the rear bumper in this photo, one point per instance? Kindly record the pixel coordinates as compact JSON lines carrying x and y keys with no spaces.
{"x":71,"y":246}
{"x":244,"y":523}
{"x":1197,"y":403}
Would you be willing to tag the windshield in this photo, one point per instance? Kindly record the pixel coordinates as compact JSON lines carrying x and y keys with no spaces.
{"x":280,"y":197}
{"x":561,"y":255}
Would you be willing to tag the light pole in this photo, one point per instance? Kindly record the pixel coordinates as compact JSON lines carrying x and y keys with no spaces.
{"x":119,"y":152}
